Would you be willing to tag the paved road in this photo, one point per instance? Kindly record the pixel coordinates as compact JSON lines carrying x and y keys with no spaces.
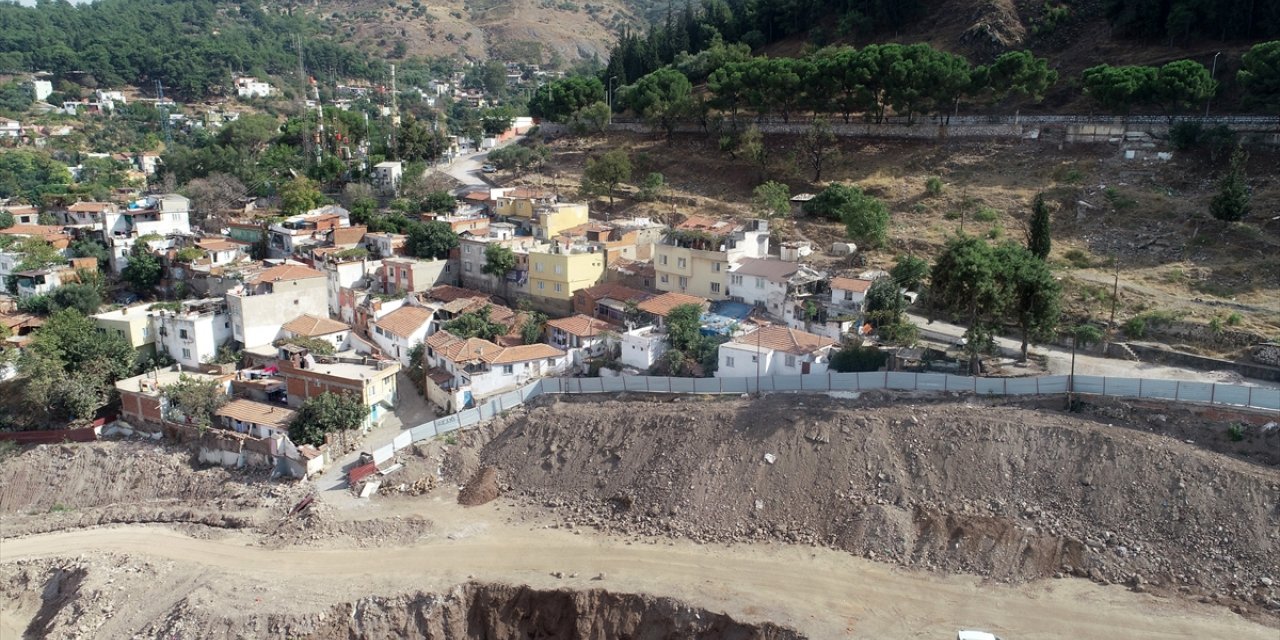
{"x":1059,"y":359}
{"x":824,"y":593}
{"x":466,"y":169}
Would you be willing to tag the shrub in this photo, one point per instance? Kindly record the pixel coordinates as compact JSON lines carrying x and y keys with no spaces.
{"x":1078,"y":259}
{"x":986,"y":214}
{"x":1235,"y":319}
{"x":1235,"y":432}
{"x":933,"y":186}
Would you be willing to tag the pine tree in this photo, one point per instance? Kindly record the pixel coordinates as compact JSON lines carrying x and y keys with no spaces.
{"x":1232,"y":202}
{"x":1038,"y":239}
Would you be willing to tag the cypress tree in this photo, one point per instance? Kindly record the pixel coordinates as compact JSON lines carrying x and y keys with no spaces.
{"x":1038,"y":240}
{"x":1232,"y":202}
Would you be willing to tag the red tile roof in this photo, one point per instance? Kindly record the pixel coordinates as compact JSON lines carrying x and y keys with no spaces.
{"x":583,"y":326}
{"x":663,"y":304}
{"x":312,"y":326}
{"x":785,"y":339}
{"x":405,"y":321}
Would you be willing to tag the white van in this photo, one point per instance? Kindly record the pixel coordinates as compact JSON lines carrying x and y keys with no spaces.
{"x":967,"y":634}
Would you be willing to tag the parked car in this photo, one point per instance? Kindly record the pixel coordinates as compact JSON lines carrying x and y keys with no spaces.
{"x":488,"y":168}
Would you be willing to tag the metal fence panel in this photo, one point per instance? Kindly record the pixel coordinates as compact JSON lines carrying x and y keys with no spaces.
{"x":707,"y":385}
{"x":1265,"y":398}
{"x":960,"y":383}
{"x":1195,"y":392}
{"x":989,"y":386}
{"x":734,"y":385}
{"x":931,"y":382}
{"x":611,"y":385}
{"x":788,"y":383}
{"x":901,"y":381}
{"x":1231,"y":394}
{"x":1021,"y":386}
{"x":1123,"y":387}
{"x":1054,"y":384}
{"x":1090,"y":384}
{"x":869,"y":381}
{"x":1163,"y":389}
{"x":383,"y":453}
{"x":681,"y":385}
{"x":403,"y":440}
{"x":815,"y":383}
{"x":423,"y":432}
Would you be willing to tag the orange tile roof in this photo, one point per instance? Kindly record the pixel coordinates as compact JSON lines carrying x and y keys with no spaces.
{"x":286,"y":272}
{"x":312,"y":326}
{"x":663,"y":304}
{"x":616,"y":291}
{"x":524,"y":353}
{"x":461,"y":350}
{"x":583,"y":326}
{"x":257,"y":413}
{"x":785,"y":339}
{"x":89,"y":207}
{"x":19,"y":209}
{"x":851,"y":284}
{"x":217,"y":244}
{"x":42,"y":230}
{"x":404,"y":321}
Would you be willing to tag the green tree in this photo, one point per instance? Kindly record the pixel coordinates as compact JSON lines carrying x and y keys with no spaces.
{"x":194,"y":400}
{"x":16,"y":97}
{"x":30,"y":174}
{"x":476,"y":324}
{"x":559,"y":100}
{"x":1039,"y":236}
{"x":853,"y":358}
{"x":324,"y":414}
{"x":498,"y":260}
{"x":142,"y":270}
{"x":752,"y":146}
{"x":684,"y":326}
{"x":1260,"y":76}
{"x":6,"y":220}
{"x":419,"y":141}
{"x":1031,"y":294}
{"x":884,"y":303}
{"x":1182,"y":84}
{"x":652,"y":187}
{"x":866,"y":220}
{"x":299,"y":196}
{"x":819,"y":147}
{"x":439,"y":202}
{"x":1232,"y":202}
{"x":909,"y":272}
{"x":37,"y":253}
{"x":431,"y":240}
{"x":965,"y":281}
{"x":661,"y":98}
{"x":772,"y":200}
{"x":1018,"y":73}
{"x":70,"y":368}
{"x":592,"y":118}
{"x":1120,"y":88}
{"x":84,"y":298}
{"x":531,"y":329}
{"x":603,"y":174}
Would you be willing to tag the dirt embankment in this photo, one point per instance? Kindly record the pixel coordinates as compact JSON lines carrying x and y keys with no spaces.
{"x":57,"y":487}
{"x":59,"y":599}
{"x":1005,"y":492}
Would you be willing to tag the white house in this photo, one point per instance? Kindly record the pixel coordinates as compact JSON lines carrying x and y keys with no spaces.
{"x":582,"y":336}
{"x":762,"y":282}
{"x":849,"y":293}
{"x":317,"y":328}
{"x":109,"y":100}
{"x":153,"y":218}
{"x":10,"y":128}
{"x":250,"y":87}
{"x":42,"y":88}
{"x":256,"y":419}
{"x":261,"y":306}
{"x":387,"y":175}
{"x":193,"y":335}
{"x":462,"y":371}
{"x":643,"y":347}
{"x":220,"y":251}
{"x":397,"y":332}
{"x":775,"y":351}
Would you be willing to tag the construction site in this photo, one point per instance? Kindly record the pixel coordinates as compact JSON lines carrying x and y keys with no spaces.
{"x":888,"y":514}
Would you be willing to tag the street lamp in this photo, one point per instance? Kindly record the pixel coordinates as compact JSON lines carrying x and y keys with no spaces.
{"x":1212,"y":73}
{"x":610,"y":97}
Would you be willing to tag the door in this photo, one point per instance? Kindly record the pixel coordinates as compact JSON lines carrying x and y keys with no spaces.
{"x":804,"y":368}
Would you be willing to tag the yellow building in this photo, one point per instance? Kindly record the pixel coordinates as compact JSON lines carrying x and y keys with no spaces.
{"x":557,"y":272}
{"x":520,"y":202}
{"x":550,"y":220}
{"x":131,"y":323}
{"x":537,"y":213}
{"x":696,"y":256}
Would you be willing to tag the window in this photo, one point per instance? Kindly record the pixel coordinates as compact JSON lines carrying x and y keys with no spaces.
{"x":559,"y":269}
{"x":467,"y":266}
{"x":146,"y":331}
{"x":186,"y":354}
{"x":541,"y":285}
{"x":715,"y":287}
{"x":378,"y":330}
{"x":684,"y":282}
{"x":558,"y":287}
{"x":755,"y":359}
{"x":680,"y":263}
{"x":466,"y":249}
{"x":665,"y":280}
{"x":120,"y":332}
{"x":508,"y":369}
{"x":662,"y":259}
{"x":182,"y":333}
{"x":736,"y":279}
{"x":759,"y":283}
{"x":848,"y":295}
{"x":728,"y":361}
{"x":715,"y":266}
{"x":447,"y":267}
{"x":791,"y":360}
{"x":404,"y":273}
{"x":537,"y":266}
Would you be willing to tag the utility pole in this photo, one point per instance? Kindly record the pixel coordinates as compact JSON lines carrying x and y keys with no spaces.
{"x":1212,"y":73}
{"x":610,"y":98}
{"x":395,"y":112}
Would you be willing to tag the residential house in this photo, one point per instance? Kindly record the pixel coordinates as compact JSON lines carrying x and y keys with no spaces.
{"x":22,"y":214}
{"x":10,"y":128}
{"x":37,"y":282}
{"x":131,"y":323}
{"x":297,"y":233}
{"x":345,"y":272}
{"x":220,"y":252}
{"x":472,"y":252}
{"x":474,"y":221}
{"x":637,"y":274}
{"x":346,"y":237}
{"x":520,"y":202}
{"x":697,"y":255}
{"x":142,"y":400}
{"x":559,"y":270}
{"x":151,"y":219}
{"x":762,"y":282}
{"x":317,"y":328}
{"x":264,"y":303}
{"x":250,"y":87}
{"x":849,"y":293}
{"x":193,"y":335}
{"x":463,"y":371}
{"x":386,"y":177}
{"x":371,"y":381}
{"x":248,"y":232}
{"x":583,"y":337}
{"x":775,"y":351}
{"x":255,"y":419}
{"x":401,"y":275}
{"x":608,"y":301}
{"x":11,"y":257}
{"x":659,"y":307}
{"x":386,"y":245}
{"x":642,"y":347}
{"x":399,"y":331}
{"x":87,"y":214}
{"x":550,"y":220}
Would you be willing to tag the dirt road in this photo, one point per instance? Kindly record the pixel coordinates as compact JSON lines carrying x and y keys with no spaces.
{"x":822,"y":593}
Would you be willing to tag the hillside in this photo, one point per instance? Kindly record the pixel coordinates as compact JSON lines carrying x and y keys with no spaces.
{"x":545,"y":31}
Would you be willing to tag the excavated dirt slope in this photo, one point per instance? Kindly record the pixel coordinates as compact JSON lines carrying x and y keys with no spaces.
{"x":87,"y":598}
{"x":1011,"y":493}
